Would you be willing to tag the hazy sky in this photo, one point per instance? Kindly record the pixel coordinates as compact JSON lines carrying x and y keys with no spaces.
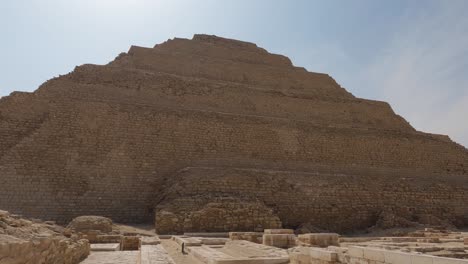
{"x":413,"y":54}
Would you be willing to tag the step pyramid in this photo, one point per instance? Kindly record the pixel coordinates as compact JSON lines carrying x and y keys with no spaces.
{"x":214,"y":134}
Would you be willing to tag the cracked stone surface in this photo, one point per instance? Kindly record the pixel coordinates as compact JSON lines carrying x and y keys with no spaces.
{"x":116,"y":257}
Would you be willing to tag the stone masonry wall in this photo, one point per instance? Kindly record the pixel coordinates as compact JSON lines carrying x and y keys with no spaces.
{"x":92,"y":157}
{"x":335,"y":202}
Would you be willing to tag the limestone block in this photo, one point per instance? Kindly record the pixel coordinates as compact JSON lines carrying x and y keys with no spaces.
{"x":256,"y":237}
{"x":465,"y":241}
{"x":187,"y":241}
{"x":404,"y":239}
{"x":213,"y":240}
{"x":105,"y":247}
{"x":154,"y":254}
{"x":429,"y":240}
{"x":439,"y":260}
{"x":397,"y":257}
{"x":278,"y":231}
{"x":153,"y":240}
{"x":322,"y":254}
{"x":300,"y":255}
{"x":421,"y":259}
{"x":357,"y":252}
{"x":374,"y":254}
{"x":240,"y":252}
{"x":209,"y":255}
{"x":87,"y":223}
{"x":208,"y":234}
{"x":320,"y":239}
{"x":130,"y":243}
{"x":107,"y":239}
{"x":279,"y":240}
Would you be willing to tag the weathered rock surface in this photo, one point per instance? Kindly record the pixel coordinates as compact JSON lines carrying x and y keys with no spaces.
{"x":211,"y":129}
{"x":24,"y":241}
{"x":88,"y":223}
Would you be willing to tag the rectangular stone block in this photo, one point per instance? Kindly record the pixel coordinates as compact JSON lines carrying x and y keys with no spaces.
{"x":357,"y":252}
{"x":240,"y":252}
{"x":301,"y":255}
{"x":108,"y":239}
{"x":154,"y":254}
{"x":208,"y":255}
{"x":421,"y":259}
{"x":278,"y":231}
{"x":439,"y":260}
{"x":256,"y":237}
{"x":208,"y":234}
{"x":279,"y":240}
{"x":153,"y":240}
{"x":213,"y":240}
{"x":322,"y":254}
{"x":374,"y":254}
{"x":396,"y":257}
{"x":187,"y":241}
{"x":105,"y":247}
{"x":130,"y":243}
{"x":320,"y":239}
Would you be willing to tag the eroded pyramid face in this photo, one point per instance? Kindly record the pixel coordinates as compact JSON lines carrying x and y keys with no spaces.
{"x":213,"y":130}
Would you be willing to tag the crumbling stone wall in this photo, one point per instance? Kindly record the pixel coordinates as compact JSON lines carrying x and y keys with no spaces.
{"x":210,"y":213}
{"x":107,"y":140}
{"x":326,"y":201}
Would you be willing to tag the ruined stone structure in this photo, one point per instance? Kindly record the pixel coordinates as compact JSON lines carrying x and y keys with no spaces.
{"x":24,"y":241}
{"x":212,"y":134}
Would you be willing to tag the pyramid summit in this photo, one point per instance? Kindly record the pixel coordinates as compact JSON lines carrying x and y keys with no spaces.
{"x":214,"y":134}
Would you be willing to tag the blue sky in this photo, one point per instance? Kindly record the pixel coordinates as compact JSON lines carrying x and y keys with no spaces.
{"x":412,"y":54}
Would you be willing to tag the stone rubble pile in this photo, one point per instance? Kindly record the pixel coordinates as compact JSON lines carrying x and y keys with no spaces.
{"x":24,"y":241}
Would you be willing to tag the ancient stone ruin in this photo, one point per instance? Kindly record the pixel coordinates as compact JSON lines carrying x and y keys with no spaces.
{"x":218,"y":135}
{"x":37,"y":242}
